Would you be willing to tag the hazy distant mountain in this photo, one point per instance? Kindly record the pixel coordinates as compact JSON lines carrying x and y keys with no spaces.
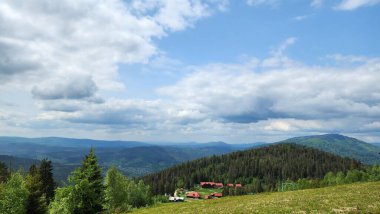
{"x":71,"y":142}
{"x":341,"y":145}
{"x":376,"y":144}
{"x":133,"y":158}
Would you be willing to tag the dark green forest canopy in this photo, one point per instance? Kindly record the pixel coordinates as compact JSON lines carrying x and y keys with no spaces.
{"x":269,"y":165}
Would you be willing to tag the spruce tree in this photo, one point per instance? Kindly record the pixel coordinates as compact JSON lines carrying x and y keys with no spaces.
{"x":47,"y":180}
{"x":88,"y":181}
{"x":36,"y":202}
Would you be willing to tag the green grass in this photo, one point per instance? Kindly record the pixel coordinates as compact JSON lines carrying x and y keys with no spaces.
{"x":351,"y":198}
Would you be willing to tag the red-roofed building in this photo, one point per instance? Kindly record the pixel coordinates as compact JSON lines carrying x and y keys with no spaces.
{"x":219,"y":185}
{"x":238,"y":185}
{"x":217,"y":194}
{"x":207,"y":184}
{"x":193,"y":195}
{"x":208,"y":197}
{"x":230,"y":185}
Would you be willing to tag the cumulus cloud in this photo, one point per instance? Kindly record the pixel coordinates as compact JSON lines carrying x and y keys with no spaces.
{"x":355,"y":4}
{"x":233,"y":103}
{"x":86,"y":38}
{"x":142,"y":114}
{"x":301,"y":92}
{"x":229,"y":101}
{"x":74,"y":87}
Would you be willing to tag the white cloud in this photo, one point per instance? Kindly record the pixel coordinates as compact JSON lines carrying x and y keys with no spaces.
{"x":300,"y":18}
{"x":262,"y":2}
{"x":232,"y":101}
{"x":355,"y":4}
{"x":316,"y":3}
{"x":233,"y":94}
{"x":45,"y":41}
{"x":278,"y":58}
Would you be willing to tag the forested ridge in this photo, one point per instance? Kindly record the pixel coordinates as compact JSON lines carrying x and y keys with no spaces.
{"x":341,"y":145}
{"x":265,"y":167}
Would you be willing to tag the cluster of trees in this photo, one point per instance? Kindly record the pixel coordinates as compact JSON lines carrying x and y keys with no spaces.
{"x":85,"y":192}
{"x":31,"y":194}
{"x":257,"y":169}
{"x":367,"y":174}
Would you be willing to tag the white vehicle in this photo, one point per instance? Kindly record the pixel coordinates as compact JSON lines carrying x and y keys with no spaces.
{"x":176,"y":199}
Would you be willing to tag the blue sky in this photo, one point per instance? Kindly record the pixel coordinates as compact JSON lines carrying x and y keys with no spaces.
{"x":190,"y":70}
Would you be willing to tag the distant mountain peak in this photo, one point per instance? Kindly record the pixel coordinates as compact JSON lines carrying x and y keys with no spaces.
{"x":341,"y":145}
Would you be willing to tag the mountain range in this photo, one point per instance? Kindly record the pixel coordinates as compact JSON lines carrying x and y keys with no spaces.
{"x":137,"y":159}
{"x":131,"y":157}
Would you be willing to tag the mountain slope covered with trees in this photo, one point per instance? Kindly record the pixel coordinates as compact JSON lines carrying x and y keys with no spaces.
{"x":341,"y":145}
{"x":263,"y":168}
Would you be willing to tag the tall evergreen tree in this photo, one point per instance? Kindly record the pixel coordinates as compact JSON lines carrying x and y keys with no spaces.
{"x":88,"y":181}
{"x":47,"y":180}
{"x":4,"y":172}
{"x":36,"y":202}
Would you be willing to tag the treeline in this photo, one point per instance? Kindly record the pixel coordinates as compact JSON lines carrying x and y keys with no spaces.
{"x":262,"y":169}
{"x":86,"y":191}
{"x":366,"y":174}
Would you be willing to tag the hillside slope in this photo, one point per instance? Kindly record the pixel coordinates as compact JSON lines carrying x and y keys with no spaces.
{"x":268,"y":165}
{"x":341,"y":145}
{"x":350,"y":198}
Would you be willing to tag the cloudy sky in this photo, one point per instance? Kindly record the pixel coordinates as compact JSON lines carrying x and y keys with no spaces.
{"x":190,"y":70}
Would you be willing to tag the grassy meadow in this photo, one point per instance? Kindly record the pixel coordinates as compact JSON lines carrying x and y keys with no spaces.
{"x":350,"y":198}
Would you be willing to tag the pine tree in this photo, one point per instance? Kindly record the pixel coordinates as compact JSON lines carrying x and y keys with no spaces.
{"x":88,"y":181}
{"x":36,"y":202}
{"x":47,"y":180}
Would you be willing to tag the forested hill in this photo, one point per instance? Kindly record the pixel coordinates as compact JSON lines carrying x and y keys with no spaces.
{"x":341,"y":145}
{"x":266,"y":167}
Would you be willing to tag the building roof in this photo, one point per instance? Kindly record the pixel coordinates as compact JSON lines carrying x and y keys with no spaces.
{"x":193,"y":194}
{"x":217,"y":194}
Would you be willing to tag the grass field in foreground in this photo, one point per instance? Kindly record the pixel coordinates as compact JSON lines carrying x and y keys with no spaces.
{"x":350,"y":198}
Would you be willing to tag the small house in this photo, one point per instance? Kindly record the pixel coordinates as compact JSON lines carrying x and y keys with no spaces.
{"x":218,"y":185}
{"x":230,"y":185}
{"x":193,"y":195}
{"x":217,"y":194}
{"x":207,"y":184}
{"x":208,"y":197}
{"x":238,"y":185}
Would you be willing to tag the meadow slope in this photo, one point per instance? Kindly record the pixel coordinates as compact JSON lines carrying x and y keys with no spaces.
{"x":350,"y":198}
